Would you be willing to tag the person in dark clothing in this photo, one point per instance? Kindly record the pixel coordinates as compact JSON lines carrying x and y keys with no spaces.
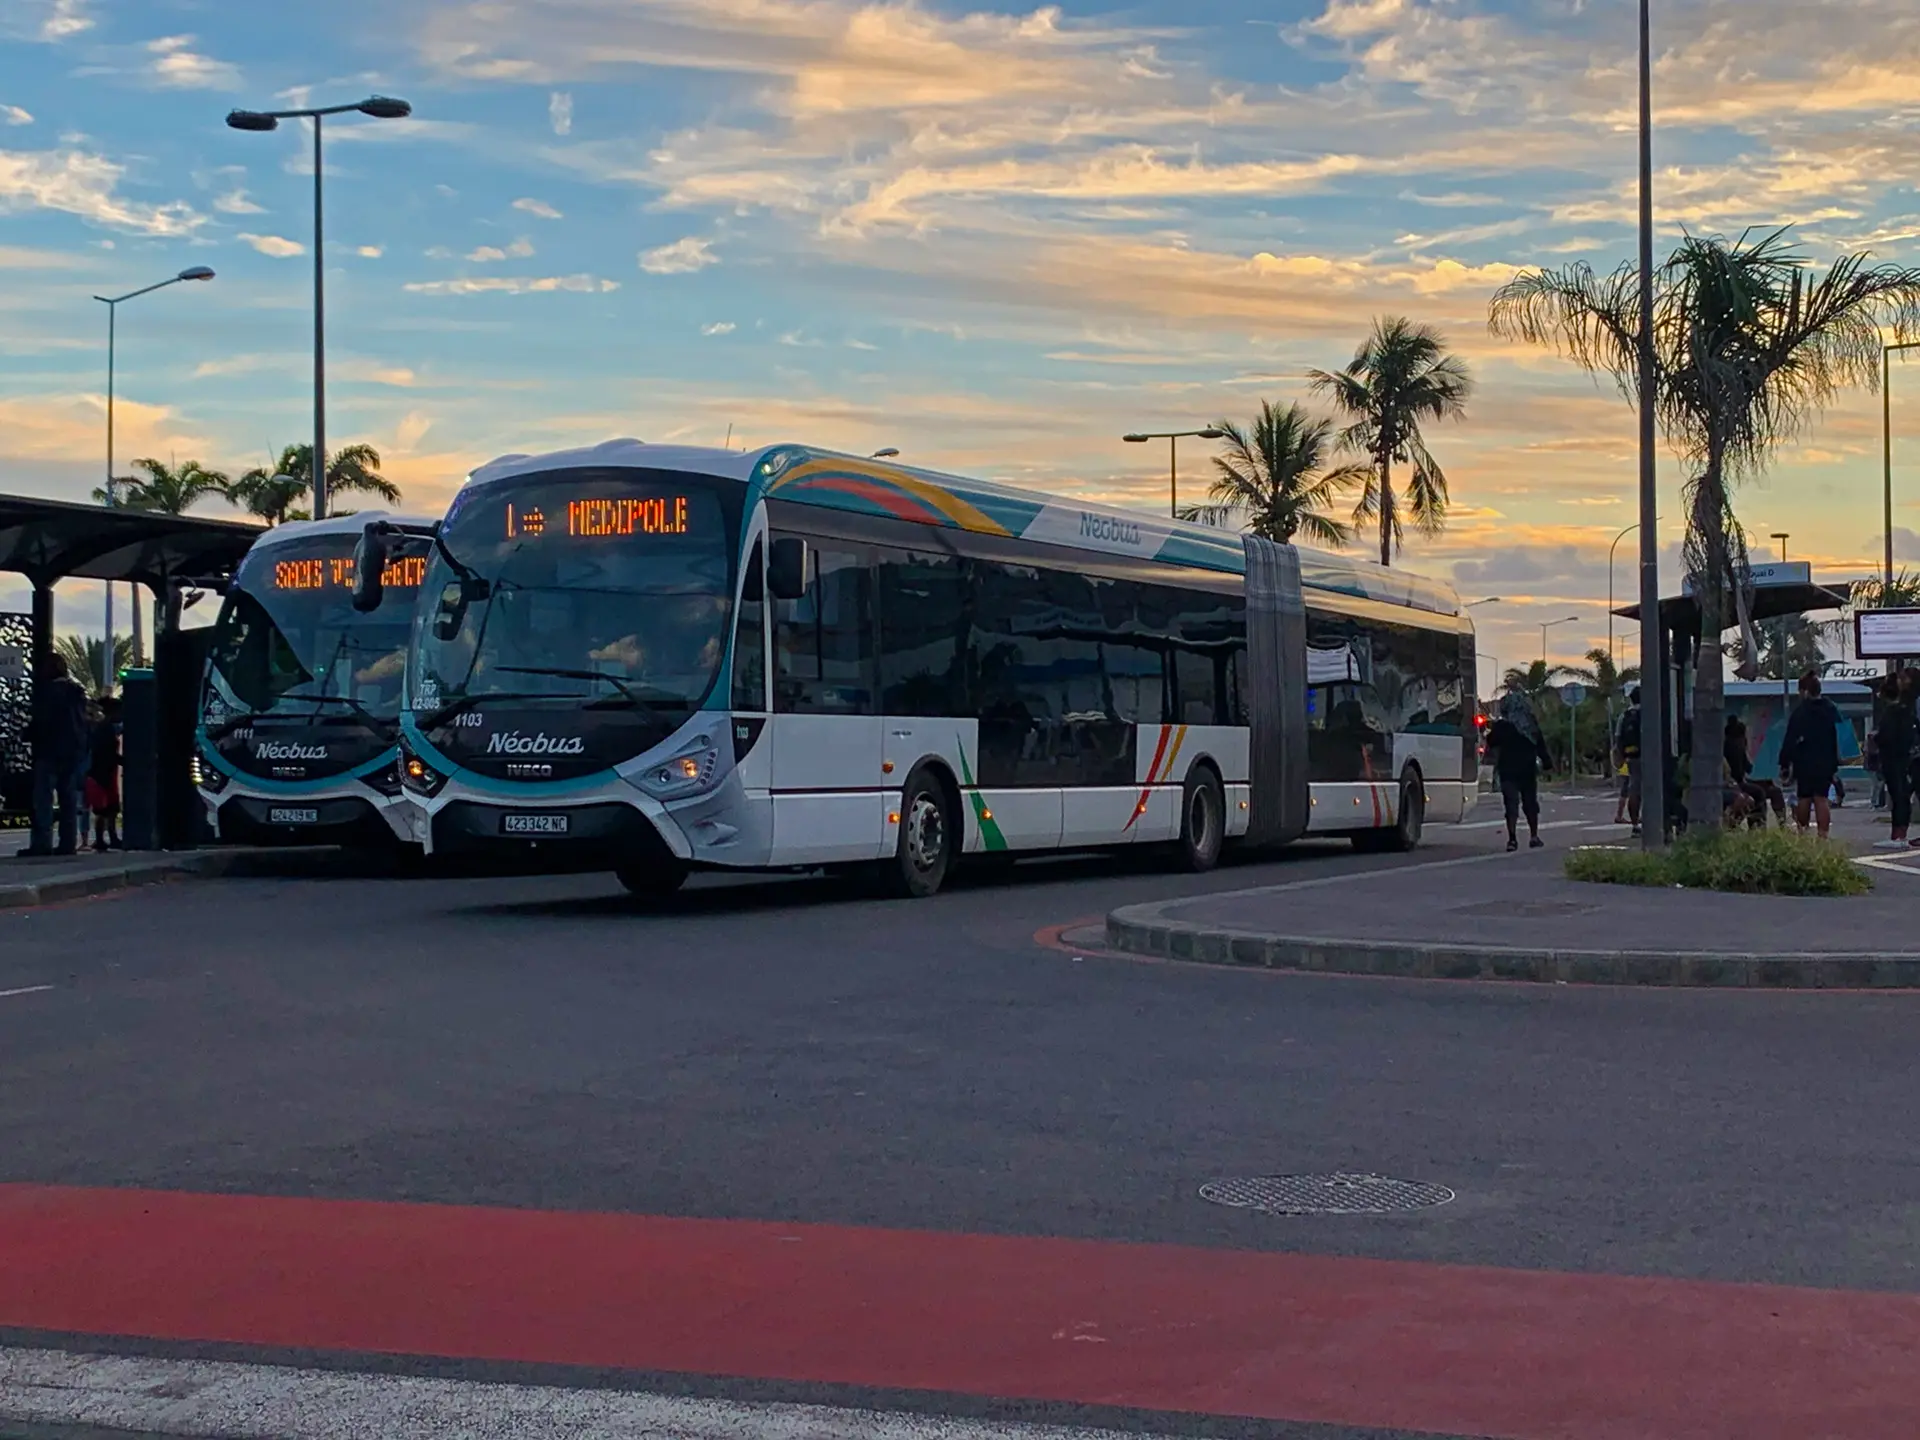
{"x":1895,"y":741}
{"x":1760,"y":793}
{"x":60,"y":731}
{"x":1519,"y":751}
{"x":103,"y":776}
{"x":1626,"y":752}
{"x":1810,"y":753}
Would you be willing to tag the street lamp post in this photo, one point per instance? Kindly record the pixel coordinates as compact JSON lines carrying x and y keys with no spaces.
{"x":380,"y":107}
{"x":1546,"y":625}
{"x":1786,"y":695}
{"x":1886,"y":453}
{"x":113,"y":303}
{"x":1173,"y":439}
{"x":1610,"y":552}
{"x":1653,"y":717}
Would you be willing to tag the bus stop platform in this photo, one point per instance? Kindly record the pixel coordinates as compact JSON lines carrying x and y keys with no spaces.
{"x":49,"y":879}
{"x":1516,"y":917}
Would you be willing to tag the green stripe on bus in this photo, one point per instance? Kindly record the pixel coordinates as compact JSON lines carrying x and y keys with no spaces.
{"x":990,"y":835}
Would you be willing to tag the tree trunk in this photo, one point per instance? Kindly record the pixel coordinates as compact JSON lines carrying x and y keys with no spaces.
{"x":1704,"y":794}
{"x":1386,"y":512}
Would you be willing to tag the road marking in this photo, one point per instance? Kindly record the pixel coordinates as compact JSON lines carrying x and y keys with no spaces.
{"x":24,"y":990}
{"x":214,"y":1397}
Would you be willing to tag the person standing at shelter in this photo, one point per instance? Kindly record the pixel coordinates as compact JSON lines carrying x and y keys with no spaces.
{"x":103,"y":775}
{"x":1519,"y":751}
{"x":1626,"y":753}
{"x":1810,"y":753}
{"x":1895,"y":741}
{"x":60,"y":732}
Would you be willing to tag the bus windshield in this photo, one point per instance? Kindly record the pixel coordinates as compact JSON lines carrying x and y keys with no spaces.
{"x":612,"y":586}
{"x":289,"y":642}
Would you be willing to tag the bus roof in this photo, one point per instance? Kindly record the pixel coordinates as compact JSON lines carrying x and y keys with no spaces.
{"x":810,"y":476}
{"x":291,"y":531}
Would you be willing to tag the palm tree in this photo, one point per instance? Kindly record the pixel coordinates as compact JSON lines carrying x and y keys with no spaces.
{"x":1605,"y":683}
{"x":1401,"y":377}
{"x":169,"y":489}
{"x":83,"y":655}
{"x":352,"y":469}
{"x":1535,"y":682}
{"x":1274,"y":476}
{"x":1749,"y":346}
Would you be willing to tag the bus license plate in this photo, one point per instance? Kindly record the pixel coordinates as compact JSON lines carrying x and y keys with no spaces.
{"x":534,"y":824}
{"x":284,"y":815}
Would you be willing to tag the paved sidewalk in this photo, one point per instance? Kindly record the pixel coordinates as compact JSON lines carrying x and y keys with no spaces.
{"x":46,"y":880}
{"x":1516,"y":917}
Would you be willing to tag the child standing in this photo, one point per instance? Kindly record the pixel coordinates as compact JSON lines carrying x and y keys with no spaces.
{"x":103,"y":775}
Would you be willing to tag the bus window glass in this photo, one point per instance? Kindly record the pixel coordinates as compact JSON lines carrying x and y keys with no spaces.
{"x":923,"y":626}
{"x":750,"y":641}
{"x":823,"y":642}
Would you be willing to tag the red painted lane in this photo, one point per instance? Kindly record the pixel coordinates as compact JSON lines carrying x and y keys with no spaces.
{"x":1298,"y":1337}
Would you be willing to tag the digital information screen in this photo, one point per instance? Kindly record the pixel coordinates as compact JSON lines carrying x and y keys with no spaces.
{"x":1886,"y":634}
{"x":608,"y":517}
{"x":335,"y":572}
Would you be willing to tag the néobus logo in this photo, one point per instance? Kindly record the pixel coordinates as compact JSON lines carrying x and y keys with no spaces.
{"x":513,"y":742}
{"x":1109,"y":528}
{"x":288,"y":750}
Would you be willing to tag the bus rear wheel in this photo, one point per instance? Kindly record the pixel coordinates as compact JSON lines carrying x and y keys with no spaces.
{"x":651,"y":879}
{"x":1203,"y":820}
{"x":924,"y":851}
{"x":1409,"y":825}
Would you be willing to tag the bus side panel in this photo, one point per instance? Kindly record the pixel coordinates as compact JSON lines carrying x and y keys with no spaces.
{"x":828,"y":800}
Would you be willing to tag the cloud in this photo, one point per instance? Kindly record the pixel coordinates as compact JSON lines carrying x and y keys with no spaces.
{"x":67,"y":426}
{"x":681,"y":257}
{"x":719,"y":327}
{"x":65,"y":18}
{"x":518,"y":250}
{"x":537,"y":207}
{"x":560,"y":112}
{"x":85,"y":185}
{"x":513,"y":285}
{"x":236,"y":202}
{"x":20,"y":257}
{"x":412,"y":429}
{"x":370,"y":252}
{"x":177,"y":65}
{"x":14,"y":115}
{"x":278,"y":246}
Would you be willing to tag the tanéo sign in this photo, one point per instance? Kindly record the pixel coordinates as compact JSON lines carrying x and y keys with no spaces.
{"x":1886,"y":634}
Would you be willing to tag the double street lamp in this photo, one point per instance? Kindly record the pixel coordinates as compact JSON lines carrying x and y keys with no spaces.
{"x":380,"y":107}
{"x":113,"y":304}
{"x":1546,"y":625}
{"x":1173,"y":439}
{"x":1886,"y":453}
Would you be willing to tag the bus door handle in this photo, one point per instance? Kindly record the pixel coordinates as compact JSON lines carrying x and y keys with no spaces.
{"x":903,"y":734}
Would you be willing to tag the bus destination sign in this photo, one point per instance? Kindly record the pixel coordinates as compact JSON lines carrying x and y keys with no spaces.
{"x":603,"y":517}
{"x":335,"y":572}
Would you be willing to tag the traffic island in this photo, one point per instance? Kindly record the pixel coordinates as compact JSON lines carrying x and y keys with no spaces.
{"x":1516,"y":917}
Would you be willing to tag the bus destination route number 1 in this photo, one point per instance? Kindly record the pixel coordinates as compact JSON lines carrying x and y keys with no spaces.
{"x":651,"y":515}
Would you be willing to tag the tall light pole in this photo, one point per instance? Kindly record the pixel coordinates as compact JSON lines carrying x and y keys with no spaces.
{"x":113,"y":304}
{"x":1786,"y":695}
{"x":1490,"y":600}
{"x":1886,"y":452}
{"x":1173,"y":439}
{"x":1610,"y":552}
{"x":1546,"y":625}
{"x":380,"y":107}
{"x":1653,"y":716}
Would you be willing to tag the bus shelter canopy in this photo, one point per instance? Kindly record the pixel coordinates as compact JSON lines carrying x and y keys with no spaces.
{"x":49,"y":540}
{"x":1680,"y":614}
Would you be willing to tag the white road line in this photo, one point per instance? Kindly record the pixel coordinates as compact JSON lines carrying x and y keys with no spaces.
{"x":24,"y":990}
{"x":242,"y":1402}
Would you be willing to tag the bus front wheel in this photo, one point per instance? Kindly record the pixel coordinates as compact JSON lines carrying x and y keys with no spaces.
{"x":652,"y":879}
{"x":924,"y":851}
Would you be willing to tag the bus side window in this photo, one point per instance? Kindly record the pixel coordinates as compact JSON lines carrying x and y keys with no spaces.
{"x":749,"y":639}
{"x":823,"y":642}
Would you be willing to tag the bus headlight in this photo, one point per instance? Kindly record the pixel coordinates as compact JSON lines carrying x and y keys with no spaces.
{"x":385,"y":780}
{"x":418,"y":776}
{"x":694,"y":769}
{"x":206,"y":775}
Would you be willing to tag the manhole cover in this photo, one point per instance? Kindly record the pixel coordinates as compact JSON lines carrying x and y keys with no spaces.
{"x":1337,"y":1194}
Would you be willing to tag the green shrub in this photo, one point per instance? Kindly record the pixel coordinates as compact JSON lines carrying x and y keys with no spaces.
{"x":1748,"y":862}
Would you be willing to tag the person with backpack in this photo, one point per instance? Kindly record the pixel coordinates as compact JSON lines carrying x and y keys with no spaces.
{"x":1519,"y":752}
{"x":1626,"y":754}
{"x":61,"y":730}
{"x":1810,"y":753}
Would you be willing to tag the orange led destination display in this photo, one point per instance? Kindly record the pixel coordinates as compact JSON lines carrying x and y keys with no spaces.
{"x":335,"y":572}
{"x":592,"y":519}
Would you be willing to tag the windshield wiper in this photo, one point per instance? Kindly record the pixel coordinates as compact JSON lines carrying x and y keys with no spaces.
{"x":627,"y":693}
{"x":467,"y":702}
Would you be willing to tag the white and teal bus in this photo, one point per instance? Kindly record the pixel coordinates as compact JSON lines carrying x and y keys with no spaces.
{"x":300,"y":707}
{"x":657,"y":659}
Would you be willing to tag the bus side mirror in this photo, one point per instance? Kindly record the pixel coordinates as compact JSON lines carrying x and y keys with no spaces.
{"x":369,"y":565}
{"x":787,"y":568}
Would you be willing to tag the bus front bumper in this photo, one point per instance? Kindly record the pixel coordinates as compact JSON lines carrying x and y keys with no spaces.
{"x":309,"y":820}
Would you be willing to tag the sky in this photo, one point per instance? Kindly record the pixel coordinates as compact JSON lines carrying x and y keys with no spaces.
{"x":996,"y":238}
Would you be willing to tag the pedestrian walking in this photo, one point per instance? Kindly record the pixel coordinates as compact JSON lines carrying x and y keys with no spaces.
{"x":1519,"y":752}
{"x":1810,"y":754}
{"x":1896,"y":741}
{"x":103,"y":776}
{"x":1626,"y":754}
{"x":60,"y":732}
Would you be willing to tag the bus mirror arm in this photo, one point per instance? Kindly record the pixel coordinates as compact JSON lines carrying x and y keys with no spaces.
{"x":369,"y":565}
{"x":787,"y":568}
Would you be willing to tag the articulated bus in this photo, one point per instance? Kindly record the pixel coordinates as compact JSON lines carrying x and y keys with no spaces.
{"x":300,"y":707}
{"x":658,"y":659}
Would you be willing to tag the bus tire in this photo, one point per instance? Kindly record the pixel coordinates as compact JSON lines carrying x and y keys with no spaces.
{"x":1410,"y":823}
{"x":1203,"y":820}
{"x":651,"y":879}
{"x":924,"y":851}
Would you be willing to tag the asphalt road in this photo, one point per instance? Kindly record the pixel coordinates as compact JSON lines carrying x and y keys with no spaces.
{"x":789,"y":1051}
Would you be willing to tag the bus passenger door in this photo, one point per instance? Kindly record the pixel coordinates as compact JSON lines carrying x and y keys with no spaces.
{"x":829,"y":799}
{"x":752,"y":745}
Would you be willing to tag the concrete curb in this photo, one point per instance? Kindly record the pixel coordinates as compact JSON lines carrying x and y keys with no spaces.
{"x":1144,"y":930}
{"x":101,"y":882}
